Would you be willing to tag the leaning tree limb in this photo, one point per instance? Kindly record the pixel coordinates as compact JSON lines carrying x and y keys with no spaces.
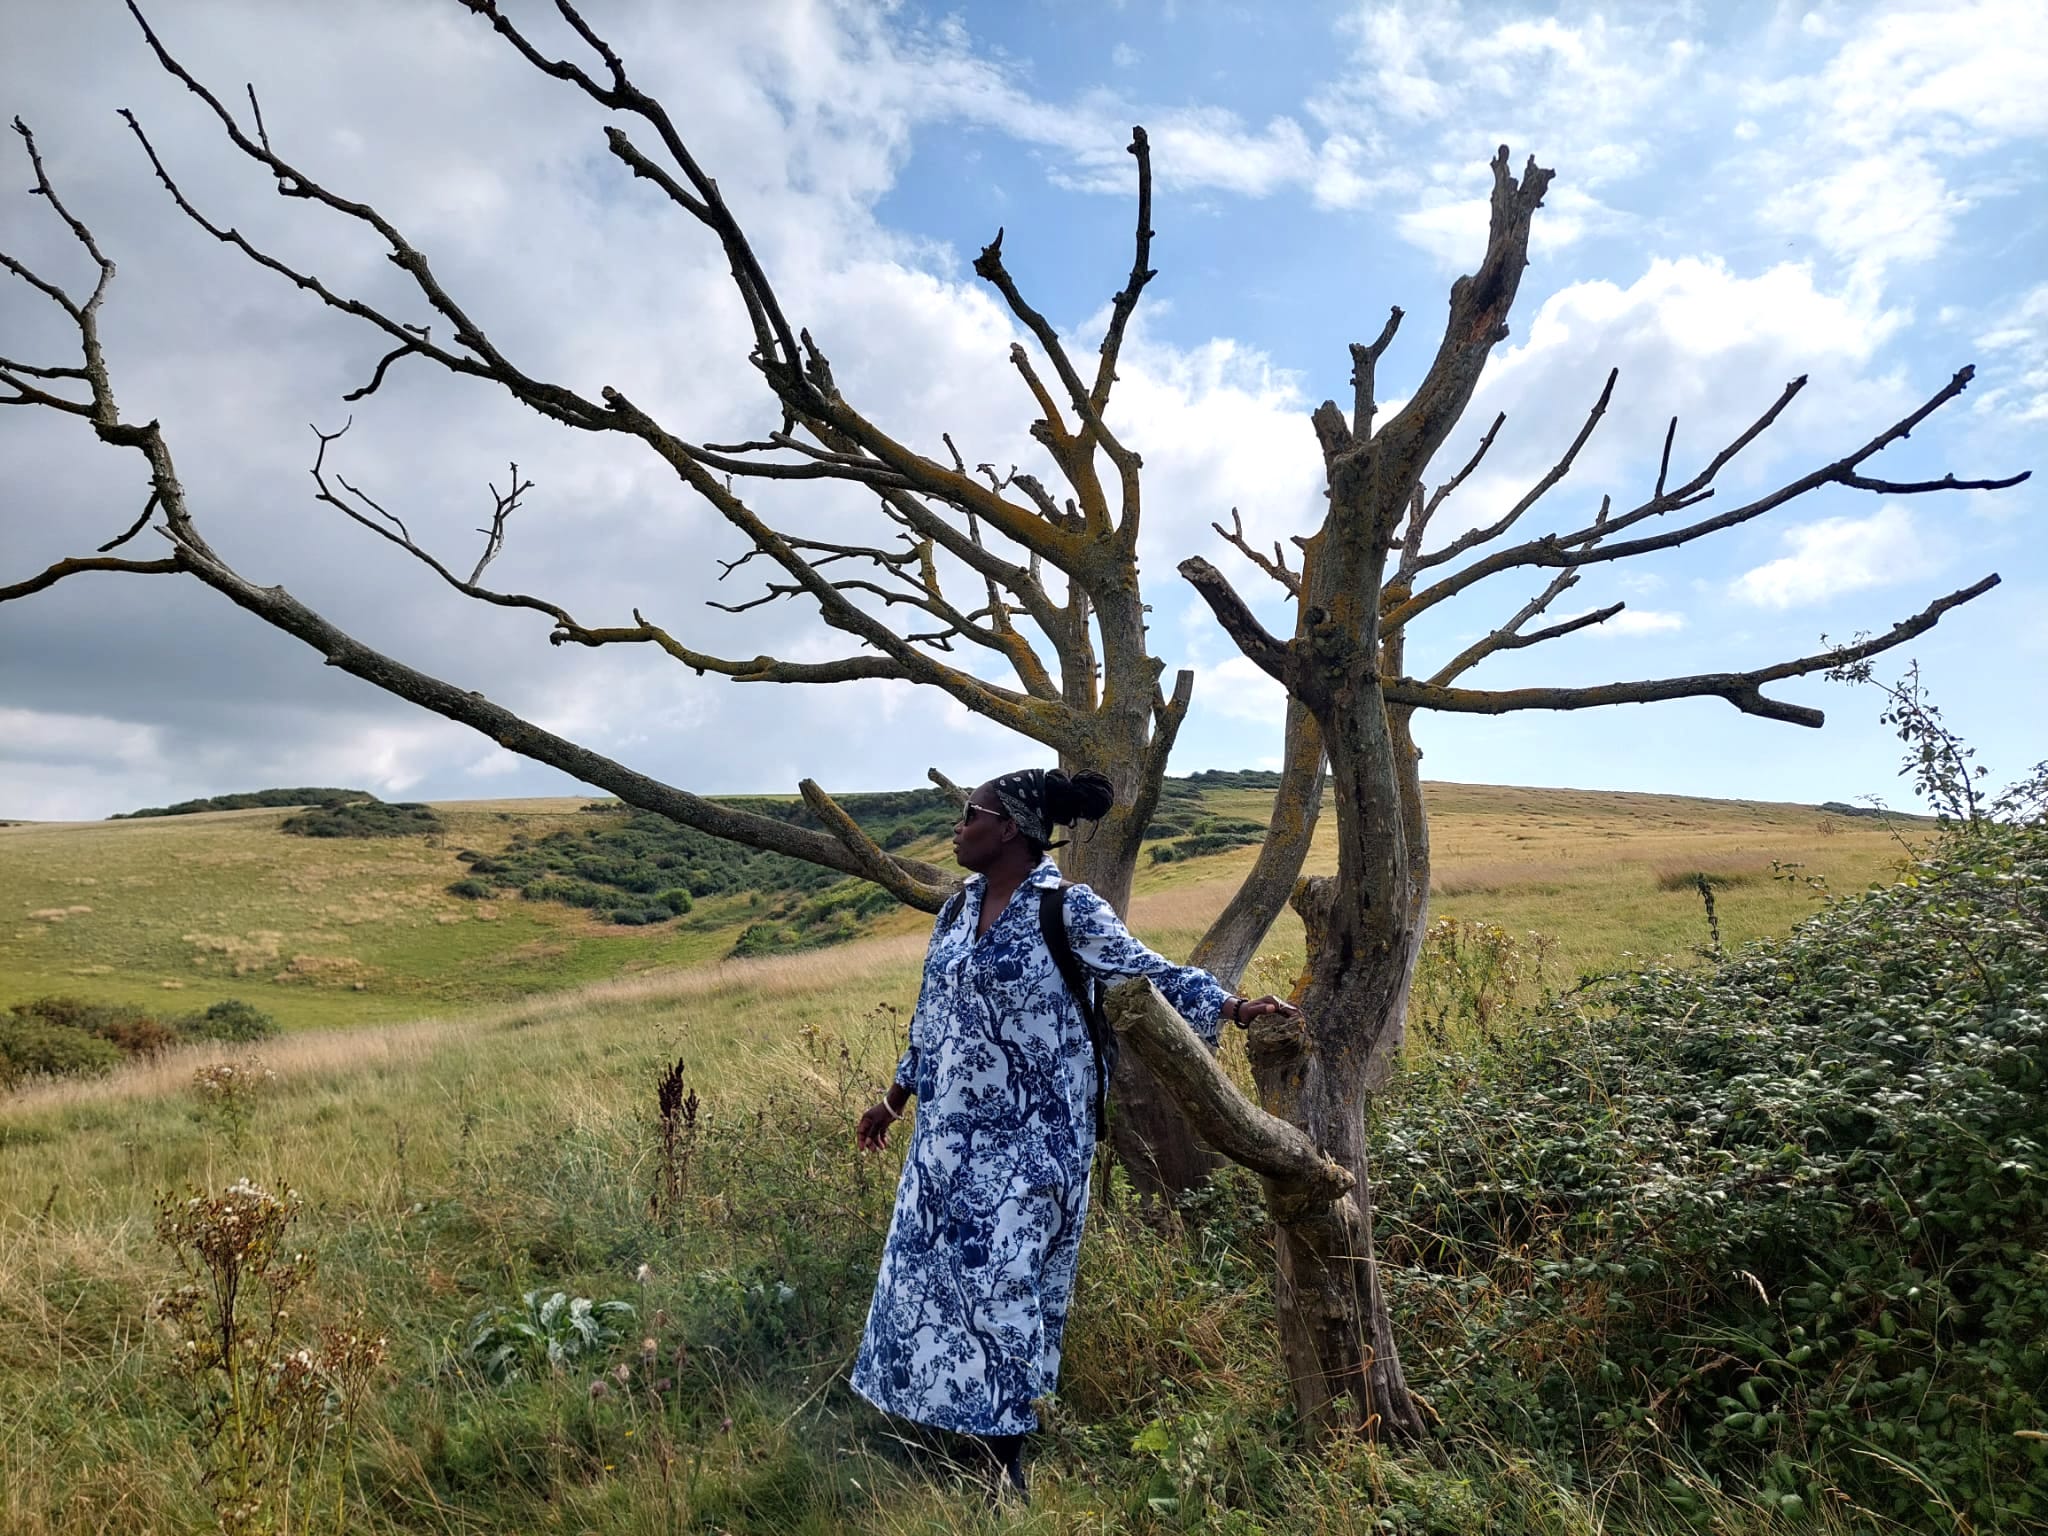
{"x":1302,"y":1177}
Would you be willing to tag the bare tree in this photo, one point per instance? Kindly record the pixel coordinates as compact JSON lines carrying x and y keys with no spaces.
{"x":1042,"y":577}
{"x":1366,"y":573}
{"x":1363,"y":575}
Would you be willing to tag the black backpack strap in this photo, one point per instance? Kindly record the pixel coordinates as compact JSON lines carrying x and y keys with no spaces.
{"x":950,"y":910}
{"x":1052,"y":921}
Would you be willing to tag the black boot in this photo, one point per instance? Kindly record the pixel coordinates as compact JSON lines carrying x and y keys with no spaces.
{"x":1005,"y":1467}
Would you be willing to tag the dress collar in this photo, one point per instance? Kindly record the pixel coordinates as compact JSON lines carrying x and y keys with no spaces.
{"x":1047,"y":872}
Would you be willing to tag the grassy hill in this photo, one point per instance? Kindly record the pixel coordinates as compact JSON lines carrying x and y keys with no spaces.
{"x":489,"y":1129}
{"x":178,"y":911}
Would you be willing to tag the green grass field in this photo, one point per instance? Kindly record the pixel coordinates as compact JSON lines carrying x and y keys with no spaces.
{"x":485,"y":1129}
{"x":175,"y":912}
{"x":315,"y":931}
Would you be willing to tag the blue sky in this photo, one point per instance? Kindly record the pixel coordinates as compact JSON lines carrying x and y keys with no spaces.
{"x":1743,"y":194}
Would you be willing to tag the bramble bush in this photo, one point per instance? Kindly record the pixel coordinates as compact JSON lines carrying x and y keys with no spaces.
{"x":62,"y":1036}
{"x":1786,"y":1215}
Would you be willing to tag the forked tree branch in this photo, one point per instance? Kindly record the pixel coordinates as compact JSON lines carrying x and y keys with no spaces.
{"x":1364,"y":360}
{"x":1742,"y":689}
{"x":1275,"y":567}
{"x":1594,"y":544}
{"x":877,"y":866}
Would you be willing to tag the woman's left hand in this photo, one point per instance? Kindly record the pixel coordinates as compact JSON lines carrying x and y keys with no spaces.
{"x":1249,"y":1008}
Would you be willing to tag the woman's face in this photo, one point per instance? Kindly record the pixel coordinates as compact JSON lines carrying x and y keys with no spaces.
{"x":983,"y":831}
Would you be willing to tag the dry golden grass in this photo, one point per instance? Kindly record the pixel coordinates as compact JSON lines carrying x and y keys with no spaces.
{"x":331,"y":1053}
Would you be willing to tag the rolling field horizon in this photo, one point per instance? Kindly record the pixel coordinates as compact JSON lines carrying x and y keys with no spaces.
{"x":173,"y":913}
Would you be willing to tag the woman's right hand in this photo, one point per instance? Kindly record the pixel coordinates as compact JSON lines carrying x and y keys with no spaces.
{"x":872,"y":1133}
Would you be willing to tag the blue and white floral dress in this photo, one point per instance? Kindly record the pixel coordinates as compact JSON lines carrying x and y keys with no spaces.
{"x":971,"y":1300}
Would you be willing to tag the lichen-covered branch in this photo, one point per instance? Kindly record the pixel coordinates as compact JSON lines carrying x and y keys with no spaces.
{"x":1303,"y":1177}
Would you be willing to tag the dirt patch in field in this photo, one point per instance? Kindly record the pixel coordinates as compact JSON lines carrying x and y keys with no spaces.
{"x":244,"y":953}
{"x":327,"y":970}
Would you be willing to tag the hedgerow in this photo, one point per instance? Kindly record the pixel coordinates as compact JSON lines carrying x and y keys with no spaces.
{"x":246,"y":801}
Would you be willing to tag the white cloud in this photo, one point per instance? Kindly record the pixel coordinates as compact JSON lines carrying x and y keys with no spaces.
{"x":1911,"y":92}
{"x":1237,"y":689}
{"x":1642,"y":621}
{"x":38,"y":736}
{"x":1968,"y":75}
{"x":1877,"y":209}
{"x":2020,"y":346}
{"x":1578,"y":92}
{"x":1837,"y":555}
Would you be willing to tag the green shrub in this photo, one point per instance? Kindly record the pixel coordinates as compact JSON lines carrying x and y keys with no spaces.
{"x":1239,"y":834}
{"x":676,"y":899}
{"x":247,"y":801}
{"x":363,"y":818}
{"x":471,"y":889}
{"x":230,"y":1020}
{"x":32,"y":1047}
{"x":573,"y":893}
{"x":130,"y":1030}
{"x":761,"y":939}
{"x":1787,"y":1215}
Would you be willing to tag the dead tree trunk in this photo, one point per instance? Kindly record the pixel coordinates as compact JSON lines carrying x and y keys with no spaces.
{"x":1037,"y":565}
{"x":1347,"y":665}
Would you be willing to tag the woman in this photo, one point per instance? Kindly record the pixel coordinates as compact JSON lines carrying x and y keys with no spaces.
{"x":971,"y":1299}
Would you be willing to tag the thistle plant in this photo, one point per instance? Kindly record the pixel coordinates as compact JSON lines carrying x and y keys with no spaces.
{"x":226,"y":1093}
{"x":555,"y":1330}
{"x":268,"y":1414}
{"x":322,"y":1392}
{"x":228,"y":1325}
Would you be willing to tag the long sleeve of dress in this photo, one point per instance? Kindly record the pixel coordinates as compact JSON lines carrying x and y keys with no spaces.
{"x":1106,"y":948}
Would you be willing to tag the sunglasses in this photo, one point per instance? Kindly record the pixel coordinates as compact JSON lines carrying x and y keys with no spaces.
{"x":967,"y":816}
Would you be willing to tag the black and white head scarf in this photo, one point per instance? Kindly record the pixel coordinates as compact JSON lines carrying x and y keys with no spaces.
{"x":1023,"y":797}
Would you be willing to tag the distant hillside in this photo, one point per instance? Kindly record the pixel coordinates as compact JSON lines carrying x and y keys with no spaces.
{"x":252,"y":800}
{"x":322,"y":931}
